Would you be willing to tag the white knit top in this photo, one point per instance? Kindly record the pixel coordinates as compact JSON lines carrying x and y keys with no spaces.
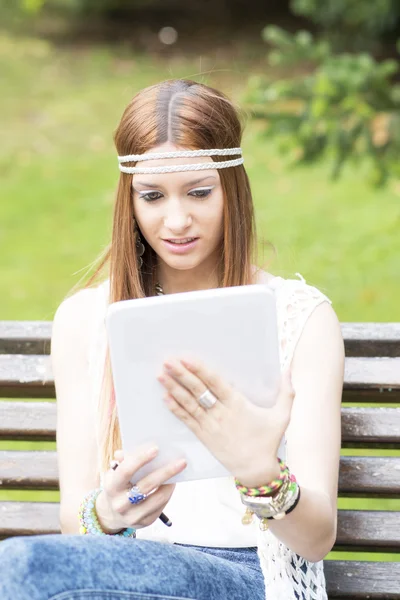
{"x":208,"y":512}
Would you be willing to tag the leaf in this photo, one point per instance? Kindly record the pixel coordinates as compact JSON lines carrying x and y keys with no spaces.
{"x":33,"y":6}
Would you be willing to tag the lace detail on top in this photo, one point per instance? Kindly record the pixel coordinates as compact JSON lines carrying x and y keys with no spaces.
{"x":295,"y":301}
{"x":287,"y":575}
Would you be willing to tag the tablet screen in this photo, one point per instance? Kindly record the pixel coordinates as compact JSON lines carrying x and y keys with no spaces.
{"x":231,"y":330}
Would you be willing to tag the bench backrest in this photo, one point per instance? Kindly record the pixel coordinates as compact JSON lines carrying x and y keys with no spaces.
{"x":372,"y":378}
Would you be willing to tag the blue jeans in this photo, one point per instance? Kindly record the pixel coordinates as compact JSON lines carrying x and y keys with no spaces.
{"x":74,"y":567}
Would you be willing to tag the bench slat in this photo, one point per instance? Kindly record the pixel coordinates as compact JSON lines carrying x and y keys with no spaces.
{"x":353,"y":580}
{"x":361,"y":427}
{"x":28,"y":470}
{"x":28,"y":420}
{"x":25,"y":337}
{"x":31,"y":377}
{"x":371,"y":339}
{"x":359,"y":475}
{"x":361,"y":339}
{"x":28,"y":518}
{"x":26,"y":376}
{"x":366,"y":530}
{"x":369,"y":427}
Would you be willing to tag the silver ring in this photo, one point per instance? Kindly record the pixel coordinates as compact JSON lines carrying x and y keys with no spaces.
{"x":207,"y":399}
{"x":135,"y":496}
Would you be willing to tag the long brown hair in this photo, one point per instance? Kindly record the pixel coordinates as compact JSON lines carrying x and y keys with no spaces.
{"x":192,"y":116}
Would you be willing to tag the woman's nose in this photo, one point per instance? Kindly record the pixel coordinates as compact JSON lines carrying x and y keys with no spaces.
{"x":177,"y":221}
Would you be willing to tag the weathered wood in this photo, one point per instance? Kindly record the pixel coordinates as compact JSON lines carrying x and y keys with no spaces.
{"x":364,"y":530}
{"x":359,"y":475}
{"x":28,"y":420}
{"x":370,"y":427}
{"x":361,"y":427}
{"x":372,"y":373}
{"x":31,"y":377}
{"x":28,"y":518}
{"x":353,"y":580}
{"x":371,"y":339}
{"x":28,"y":470}
{"x":26,"y":376}
{"x":25,"y":337}
{"x":369,"y":476}
{"x":361,"y":339}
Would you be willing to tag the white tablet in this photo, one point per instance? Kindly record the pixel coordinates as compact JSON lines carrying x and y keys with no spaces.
{"x":232,"y":330}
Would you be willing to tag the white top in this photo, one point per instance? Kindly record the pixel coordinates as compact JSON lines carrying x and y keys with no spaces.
{"x":208,"y":512}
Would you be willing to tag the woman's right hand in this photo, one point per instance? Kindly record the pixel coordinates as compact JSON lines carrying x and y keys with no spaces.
{"x":113,"y":508}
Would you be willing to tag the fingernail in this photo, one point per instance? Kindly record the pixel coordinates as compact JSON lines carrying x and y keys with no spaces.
{"x":180,"y":463}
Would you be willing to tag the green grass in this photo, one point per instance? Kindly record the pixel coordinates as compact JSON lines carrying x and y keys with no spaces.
{"x":58,"y":173}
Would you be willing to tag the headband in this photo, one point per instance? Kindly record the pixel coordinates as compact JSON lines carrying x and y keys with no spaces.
{"x":181,"y":154}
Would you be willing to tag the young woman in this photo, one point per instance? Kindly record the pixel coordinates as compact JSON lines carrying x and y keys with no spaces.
{"x":183,"y":220}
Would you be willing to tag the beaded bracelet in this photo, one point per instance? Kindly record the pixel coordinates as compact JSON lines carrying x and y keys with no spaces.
{"x":268,"y":508}
{"x":268,"y":489}
{"x":89,"y":522}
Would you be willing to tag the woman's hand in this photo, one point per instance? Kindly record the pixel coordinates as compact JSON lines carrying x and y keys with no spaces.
{"x":244,"y":437}
{"x":113,"y":508}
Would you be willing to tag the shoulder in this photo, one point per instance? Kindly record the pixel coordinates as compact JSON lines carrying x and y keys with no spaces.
{"x":73,"y":322}
{"x":298,"y":289}
{"x":290,"y":292}
{"x":75,"y":309}
{"x":301,"y":307}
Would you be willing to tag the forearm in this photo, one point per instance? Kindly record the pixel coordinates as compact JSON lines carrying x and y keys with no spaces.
{"x":310,"y":529}
{"x":69,"y":522}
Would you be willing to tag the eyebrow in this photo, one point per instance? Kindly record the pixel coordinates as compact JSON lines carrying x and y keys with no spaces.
{"x":189,"y":183}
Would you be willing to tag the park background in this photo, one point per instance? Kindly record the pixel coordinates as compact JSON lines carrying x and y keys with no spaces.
{"x":318,"y":87}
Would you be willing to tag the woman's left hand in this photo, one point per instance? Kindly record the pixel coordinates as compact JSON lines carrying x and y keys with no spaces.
{"x":244,"y":437}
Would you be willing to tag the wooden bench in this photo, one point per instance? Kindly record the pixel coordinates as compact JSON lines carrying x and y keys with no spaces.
{"x":372,"y":377}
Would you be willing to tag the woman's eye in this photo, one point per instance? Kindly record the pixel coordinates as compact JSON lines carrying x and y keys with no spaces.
{"x":151,"y":196}
{"x":200,"y":193}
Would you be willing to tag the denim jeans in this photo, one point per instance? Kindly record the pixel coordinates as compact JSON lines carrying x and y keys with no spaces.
{"x":74,"y":567}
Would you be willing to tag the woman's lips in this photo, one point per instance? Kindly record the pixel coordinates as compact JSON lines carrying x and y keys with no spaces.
{"x":180,"y":248}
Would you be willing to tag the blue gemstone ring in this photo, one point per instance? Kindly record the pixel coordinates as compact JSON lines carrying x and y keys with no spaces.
{"x":135,"y":496}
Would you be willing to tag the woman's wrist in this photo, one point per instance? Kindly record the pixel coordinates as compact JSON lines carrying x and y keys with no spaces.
{"x":107,"y":521}
{"x":272,"y":500}
{"x":261,"y":474}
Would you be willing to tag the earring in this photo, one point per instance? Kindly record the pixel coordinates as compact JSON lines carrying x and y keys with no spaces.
{"x":139,"y":248}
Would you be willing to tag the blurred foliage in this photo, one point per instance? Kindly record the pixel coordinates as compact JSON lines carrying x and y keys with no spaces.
{"x":358,"y":18}
{"x":109,"y":7}
{"x":348,"y":16}
{"x":347,"y":107}
{"x":76,"y":6}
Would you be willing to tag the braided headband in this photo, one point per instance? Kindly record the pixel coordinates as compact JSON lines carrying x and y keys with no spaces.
{"x":181,"y":154}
